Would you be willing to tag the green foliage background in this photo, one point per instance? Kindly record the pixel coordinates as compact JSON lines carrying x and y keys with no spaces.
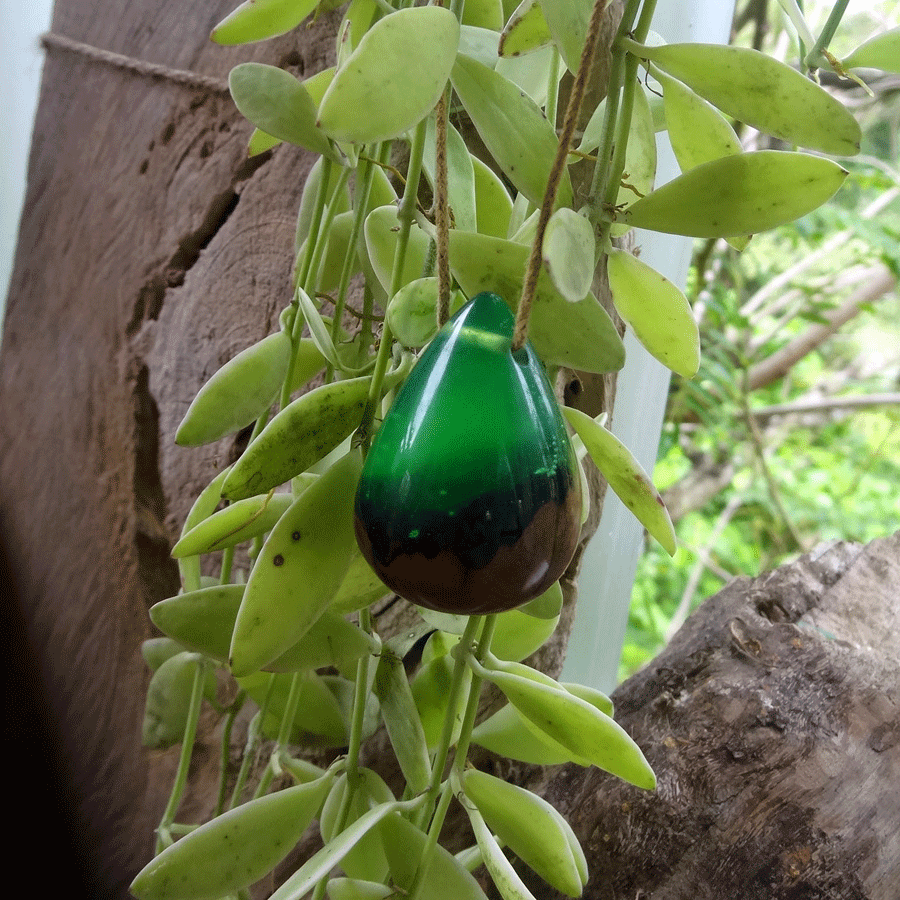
{"x":827,"y":475}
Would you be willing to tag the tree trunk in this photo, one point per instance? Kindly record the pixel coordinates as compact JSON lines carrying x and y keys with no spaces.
{"x":150,"y":252}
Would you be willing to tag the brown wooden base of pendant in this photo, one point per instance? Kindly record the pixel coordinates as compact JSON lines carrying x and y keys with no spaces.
{"x":517,"y":573}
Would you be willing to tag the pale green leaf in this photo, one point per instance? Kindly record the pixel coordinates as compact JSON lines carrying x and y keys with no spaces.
{"x":625,"y":475}
{"x":275,"y":102}
{"x":372,"y":96}
{"x":879,"y":52}
{"x":741,"y":194}
{"x":580,"y":335}
{"x":657,"y":311}
{"x":763,"y":92}
{"x":512,"y":126}
{"x":568,"y":253}
{"x":568,"y":23}
{"x":525,"y":31}
{"x":256,"y":20}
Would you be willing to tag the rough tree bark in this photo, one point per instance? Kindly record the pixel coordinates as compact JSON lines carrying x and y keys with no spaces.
{"x":772,"y":721}
{"x":150,"y":252}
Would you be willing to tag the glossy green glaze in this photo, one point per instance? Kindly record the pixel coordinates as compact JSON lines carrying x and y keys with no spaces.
{"x":469,"y":500}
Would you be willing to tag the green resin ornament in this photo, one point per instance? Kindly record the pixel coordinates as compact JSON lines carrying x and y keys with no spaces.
{"x":470,"y":500}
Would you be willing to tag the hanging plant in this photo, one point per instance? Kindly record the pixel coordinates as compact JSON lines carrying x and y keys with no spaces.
{"x":450,"y":480}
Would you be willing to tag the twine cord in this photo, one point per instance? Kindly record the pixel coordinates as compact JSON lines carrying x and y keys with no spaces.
{"x":193,"y":80}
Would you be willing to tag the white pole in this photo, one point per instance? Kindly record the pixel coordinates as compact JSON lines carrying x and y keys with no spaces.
{"x":610,"y":560}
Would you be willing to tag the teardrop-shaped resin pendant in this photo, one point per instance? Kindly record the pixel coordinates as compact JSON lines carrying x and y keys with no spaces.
{"x":470,"y":500}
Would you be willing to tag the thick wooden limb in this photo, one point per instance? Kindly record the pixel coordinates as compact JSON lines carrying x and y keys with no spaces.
{"x":773,"y":724}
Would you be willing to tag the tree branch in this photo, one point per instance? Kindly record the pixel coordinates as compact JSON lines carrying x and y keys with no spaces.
{"x":825,"y":404}
{"x":781,"y":362}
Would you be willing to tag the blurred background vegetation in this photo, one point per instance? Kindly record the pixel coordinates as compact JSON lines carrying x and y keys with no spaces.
{"x":789,"y":435}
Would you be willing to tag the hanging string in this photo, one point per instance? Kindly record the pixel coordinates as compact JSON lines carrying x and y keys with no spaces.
{"x":138,"y":66}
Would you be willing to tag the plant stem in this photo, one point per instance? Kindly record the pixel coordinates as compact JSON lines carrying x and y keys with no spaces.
{"x":441,"y":209}
{"x":163,"y":838}
{"x":553,"y":88}
{"x":446,"y":739}
{"x":360,"y":695}
{"x":289,"y":716}
{"x":488,"y":625}
{"x":227,"y":560}
{"x":602,"y":167}
{"x":579,"y":87}
{"x":360,"y":202}
{"x":815,"y":57}
{"x":253,"y":730}
{"x":623,"y":124}
{"x":405,"y":216}
{"x":315,"y":226}
{"x":233,"y":710}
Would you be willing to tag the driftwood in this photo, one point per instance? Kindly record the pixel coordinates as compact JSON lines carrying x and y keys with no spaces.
{"x":772,"y":721}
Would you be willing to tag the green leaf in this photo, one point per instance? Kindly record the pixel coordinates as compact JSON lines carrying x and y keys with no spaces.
{"x":525,"y":31}
{"x":412,"y":311}
{"x":168,"y":700}
{"x":626,"y":477}
{"x":517,"y":635}
{"x":232,"y":851}
{"x":298,"y":570}
{"x":531,"y":72}
{"x":479,"y":44}
{"x":431,"y":688}
{"x":401,"y":719}
{"x":504,"y":876}
{"x":576,"y":725}
{"x":256,"y":20}
{"x":233,"y":525}
{"x":238,"y":393}
{"x":260,"y":142}
{"x":512,"y":126}
{"x":446,"y":878}
{"x":360,"y":588}
{"x":568,"y":23}
{"x":506,"y":734}
{"x":697,"y":130}
{"x":483,"y":14}
{"x":741,"y":194}
{"x":319,"y":865}
{"x":579,"y":335}
{"x":157,"y":650}
{"x":320,"y":721}
{"x":568,"y":253}
{"x":531,"y":828}
{"x":879,"y":52}
{"x":355,"y":889}
{"x":276,"y":102}
{"x":380,"y":231}
{"x":204,"y":506}
{"x":761,"y":91}
{"x":460,"y":174}
{"x":300,"y":435}
{"x":656,"y":310}
{"x":366,"y":859}
{"x":203,"y":621}
{"x":547,"y":606}
{"x":376,"y":77}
